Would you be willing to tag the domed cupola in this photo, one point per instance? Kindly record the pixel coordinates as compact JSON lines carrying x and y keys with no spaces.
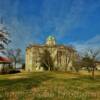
{"x":50,"y":41}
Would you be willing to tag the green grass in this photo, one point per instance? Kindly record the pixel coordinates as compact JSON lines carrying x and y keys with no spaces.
{"x":49,"y":86}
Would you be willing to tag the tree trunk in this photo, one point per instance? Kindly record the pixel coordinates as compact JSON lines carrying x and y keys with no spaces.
{"x":15,"y":63}
{"x":93,"y":75}
{"x":49,"y":68}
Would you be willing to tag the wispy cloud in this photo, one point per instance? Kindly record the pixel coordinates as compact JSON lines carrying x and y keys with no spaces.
{"x":94,"y":40}
{"x":33,"y":20}
{"x":93,"y":43}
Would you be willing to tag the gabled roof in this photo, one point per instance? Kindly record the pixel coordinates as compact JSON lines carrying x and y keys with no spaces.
{"x":5,"y":60}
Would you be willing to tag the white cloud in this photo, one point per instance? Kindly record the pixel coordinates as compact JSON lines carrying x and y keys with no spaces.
{"x":94,"y":40}
{"x":93,"y":43}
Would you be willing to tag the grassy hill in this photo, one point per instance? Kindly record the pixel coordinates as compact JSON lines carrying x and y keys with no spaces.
{"x":49,"y":86}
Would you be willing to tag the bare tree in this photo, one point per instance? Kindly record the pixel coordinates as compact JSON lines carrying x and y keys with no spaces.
{"x":46,"y":61}
{"x":89,"y":60}
{"x":4,"y":37}
{"x":76,"y":62}
{"x":70,"y":56}
{"x":68,"y":59}
{"x":15,"y":55}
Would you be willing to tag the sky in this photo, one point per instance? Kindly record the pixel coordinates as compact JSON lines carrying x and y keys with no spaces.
{"x":71,"y":22}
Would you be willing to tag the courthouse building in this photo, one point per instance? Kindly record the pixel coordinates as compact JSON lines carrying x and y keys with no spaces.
{"x":61,"y":56}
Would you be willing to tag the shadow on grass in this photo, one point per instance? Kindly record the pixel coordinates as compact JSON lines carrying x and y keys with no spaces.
{"x":33,"y":80}
{"x":83,"y":79}
{"x":27,"y":83}
{"x":76,"y":88}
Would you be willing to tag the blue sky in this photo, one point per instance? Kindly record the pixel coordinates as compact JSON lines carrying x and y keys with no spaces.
{"x":75,"y":22}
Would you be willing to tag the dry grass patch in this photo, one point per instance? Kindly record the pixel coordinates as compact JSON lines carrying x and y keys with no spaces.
{"x":49,"y":86}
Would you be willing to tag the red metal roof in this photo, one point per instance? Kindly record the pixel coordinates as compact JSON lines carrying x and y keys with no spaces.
{"x":5,"y":59}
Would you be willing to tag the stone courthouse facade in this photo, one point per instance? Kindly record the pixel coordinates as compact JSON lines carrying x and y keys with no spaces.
{"x":40,"y":57}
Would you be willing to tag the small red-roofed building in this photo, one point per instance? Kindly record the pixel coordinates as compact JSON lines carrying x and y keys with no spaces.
{"x":5,"y":63}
